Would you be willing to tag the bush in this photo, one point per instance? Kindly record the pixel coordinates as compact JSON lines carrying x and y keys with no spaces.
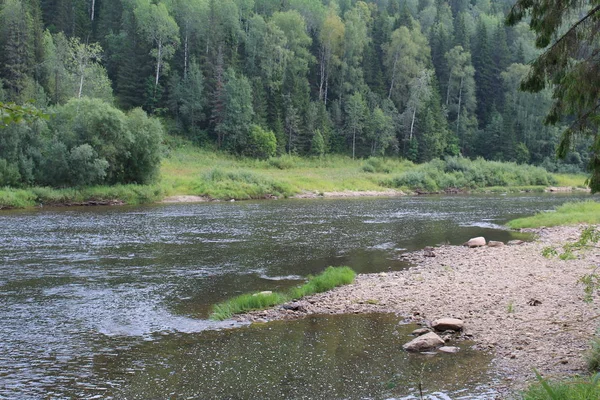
{"x":261,"y":143}
{"x":462,"y":173}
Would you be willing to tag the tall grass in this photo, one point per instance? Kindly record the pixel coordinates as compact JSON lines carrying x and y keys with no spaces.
{"x":241,"y":184}
{"x":331,"y":278}
{"x":465,"y":174}
{"x":586,"y":212}
{"x":574,"y":389}
{"x":45,"y":196}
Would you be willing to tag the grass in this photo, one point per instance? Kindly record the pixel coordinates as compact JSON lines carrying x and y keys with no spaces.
{"x":187,"y":169}
{"x":36,"y":196}
{"x":456,"y":173}
{"x":587,"y":212}
{"x":330,"y":278}
{"x":573,"y":389}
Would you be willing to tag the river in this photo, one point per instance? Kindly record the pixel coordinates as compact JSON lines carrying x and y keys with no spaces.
{"x":112,"y":302}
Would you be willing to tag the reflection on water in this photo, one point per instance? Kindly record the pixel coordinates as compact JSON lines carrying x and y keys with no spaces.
{"x":321,"y":357}
{"x":79,"y":285}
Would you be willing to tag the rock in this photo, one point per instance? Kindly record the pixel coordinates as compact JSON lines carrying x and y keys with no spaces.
{"x":493,"y":243}
{"x":421,"y":331}
{"x":515,"y":242}
{"x":265,"y":293}
{"x":425,"y":342}
{"x":294,"y":307}
{"x":449,"y":349}
{"x":476,"y":242}
{"x":428,"y":252}
{"x":443,"y":324}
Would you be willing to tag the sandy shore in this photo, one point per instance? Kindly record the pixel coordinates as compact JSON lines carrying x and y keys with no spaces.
{"x":494,"y":291}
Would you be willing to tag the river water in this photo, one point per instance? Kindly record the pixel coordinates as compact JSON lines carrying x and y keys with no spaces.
{"x":112,"y":302}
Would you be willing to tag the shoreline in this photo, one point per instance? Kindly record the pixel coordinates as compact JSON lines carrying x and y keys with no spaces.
{"x":102,"y":200}
{"x":525,"y":309}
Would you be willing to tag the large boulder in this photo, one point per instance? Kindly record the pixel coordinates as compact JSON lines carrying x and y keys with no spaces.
{"x":429,"y":341}
{"x":447,"y":324}
{"x":476,"y":242}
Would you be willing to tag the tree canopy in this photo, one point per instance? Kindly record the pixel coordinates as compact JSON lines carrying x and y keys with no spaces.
{"x":570,"y":65}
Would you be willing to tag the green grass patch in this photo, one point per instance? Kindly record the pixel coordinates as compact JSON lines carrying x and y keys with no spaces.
{"x":331,"y":278}
{"x":36,"y":196}
{"x":465,"y":174}
{"x":586,"y":212}
{"x":572,"y":389}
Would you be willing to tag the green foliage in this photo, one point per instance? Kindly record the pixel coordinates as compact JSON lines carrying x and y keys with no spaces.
{"x":129,"y":194}
{"x":239,"y":185}
{"x":573,"y":389}
{"x":592,"y":357}
{"x":462,"y":173}
{"x":260,"y":143}
{"x":586,"y":212}
{"x":329,"y":279}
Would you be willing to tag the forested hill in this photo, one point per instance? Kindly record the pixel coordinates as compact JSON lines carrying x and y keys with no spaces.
{"x":417,"y":78}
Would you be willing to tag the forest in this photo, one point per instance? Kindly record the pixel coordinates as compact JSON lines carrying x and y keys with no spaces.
{"x":415,"y":79}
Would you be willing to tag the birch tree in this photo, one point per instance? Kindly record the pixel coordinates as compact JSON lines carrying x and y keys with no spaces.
{"x":159,"y":28}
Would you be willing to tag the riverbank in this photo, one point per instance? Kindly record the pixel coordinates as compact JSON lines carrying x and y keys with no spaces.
{"x":192,"y":174}
{"x":526,"y":309}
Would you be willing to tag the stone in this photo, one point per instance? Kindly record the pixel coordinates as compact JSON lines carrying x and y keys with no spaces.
{"x":426,"y":342}
{"x":265,"y":293}
{"x":421,"y":331}
{"x":444,"y":324}
{"x":515,"y":242}
{"x":449,"y":349}
{"x":476,"y":242}
{"x":493,"y":243}
{"x":428,"y":252}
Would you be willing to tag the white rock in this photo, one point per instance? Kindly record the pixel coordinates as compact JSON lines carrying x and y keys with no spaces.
{"x":476,"y":242}
{"x":449,"y":349}
{"x":445,"y":324}
{"x":265,"y":293}
{"x":425,"y":342}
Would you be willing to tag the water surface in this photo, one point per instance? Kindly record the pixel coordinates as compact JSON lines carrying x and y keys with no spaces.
{"x":79,"y":285}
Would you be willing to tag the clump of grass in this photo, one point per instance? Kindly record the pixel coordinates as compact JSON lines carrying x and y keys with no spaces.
{"x":330,"y":278}
{"x":510,"y":308}
{"x":466,"y":174}
{"x":240,"y":184}
{"x":592,"y":357}
{"x":587,"y":212}
{"x":246,"y":302}
{"x":573,"y":389}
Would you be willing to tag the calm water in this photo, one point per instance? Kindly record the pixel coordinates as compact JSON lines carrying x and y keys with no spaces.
{"x":111,"y":302}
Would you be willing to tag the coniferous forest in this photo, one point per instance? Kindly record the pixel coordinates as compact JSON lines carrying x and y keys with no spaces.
{"x":417,"y":79}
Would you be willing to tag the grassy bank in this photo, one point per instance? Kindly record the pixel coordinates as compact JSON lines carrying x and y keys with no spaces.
{"x":587,"y":212}
{"x":42,"y":196}
{"x":331,"y":278}
{"x":192,"y":171}
{"x":189,"y":170}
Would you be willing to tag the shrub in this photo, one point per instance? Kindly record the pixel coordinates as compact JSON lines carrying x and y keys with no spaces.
{"x":261,"y":143}
{"x":458,"y":172}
